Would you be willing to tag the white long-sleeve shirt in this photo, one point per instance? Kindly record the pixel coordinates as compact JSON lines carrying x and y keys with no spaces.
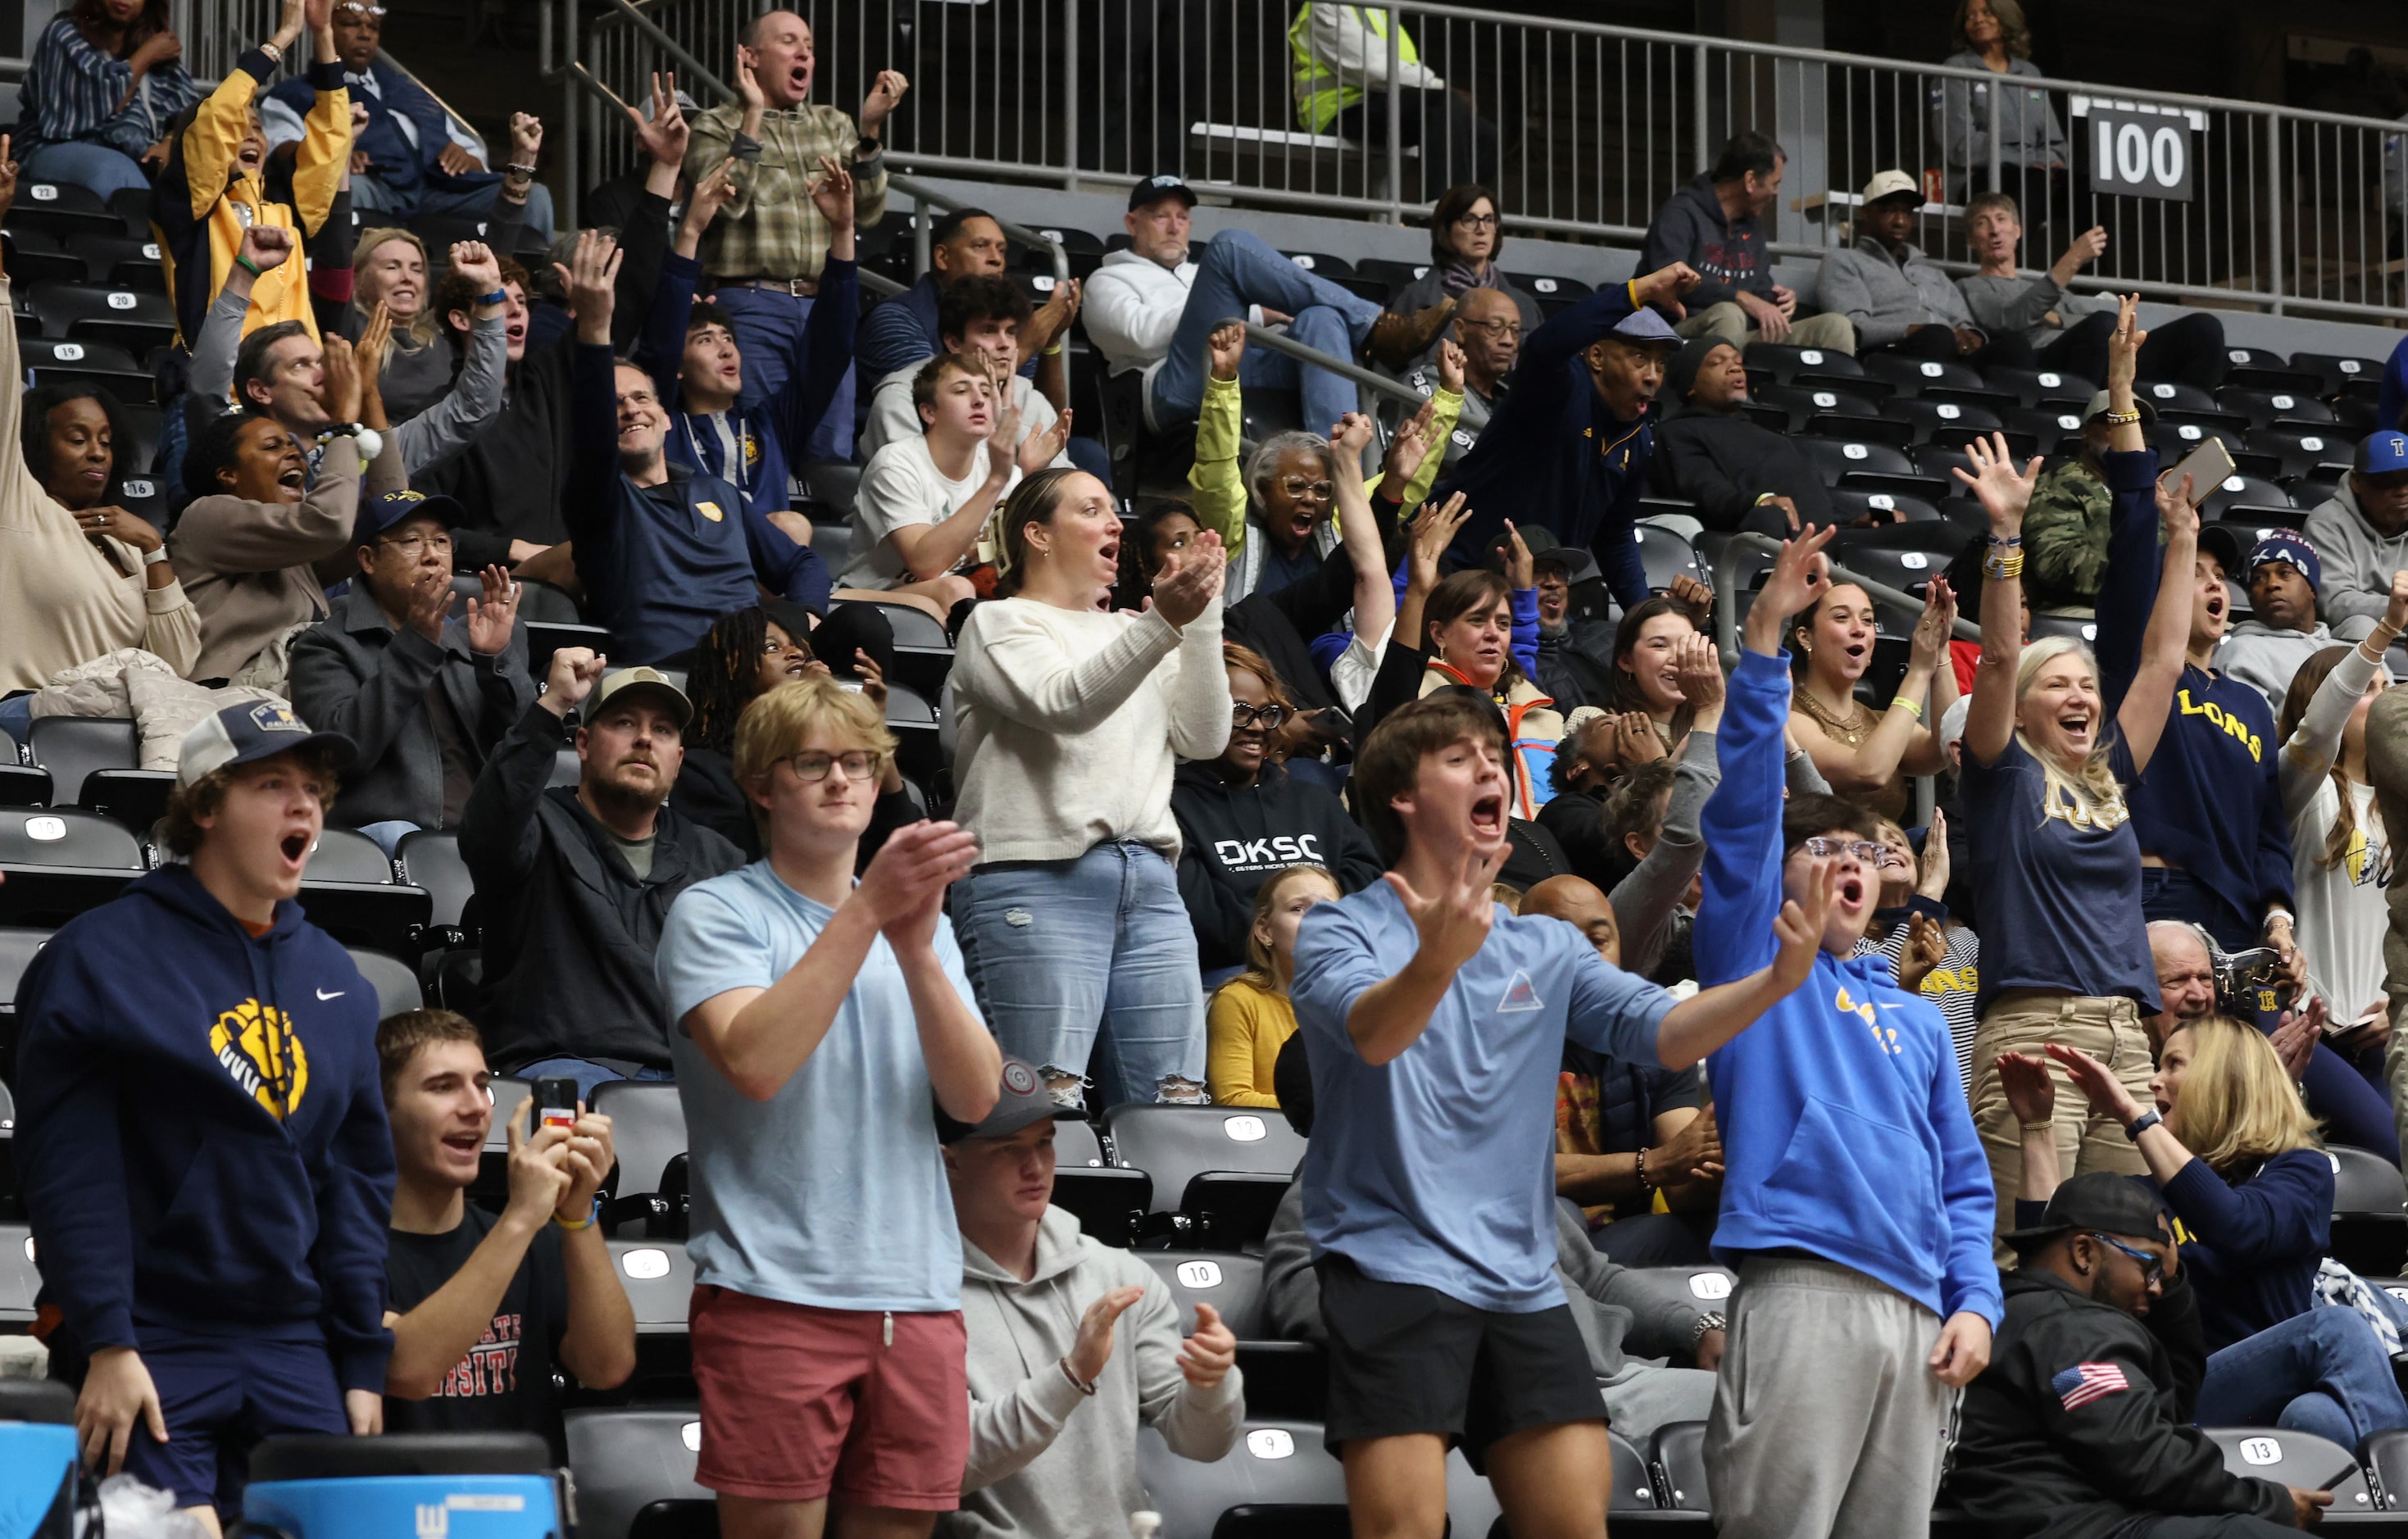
{"x":2341,"y":917}
{"x":1068,"y":722}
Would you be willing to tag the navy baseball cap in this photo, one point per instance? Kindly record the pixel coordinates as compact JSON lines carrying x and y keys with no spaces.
{"x":250,"y":732}
{"x":1024,"y":1100}
{"x":2382,"y":453}
{"x":378,"y":514}
{"x":2287,"y":545}
{"x":1645,"y":326}
{"x":1161,"y":185}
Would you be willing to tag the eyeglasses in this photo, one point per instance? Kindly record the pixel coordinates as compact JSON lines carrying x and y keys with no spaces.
{"x":1297,"y":486}
{"x":857,"y":764}
{"x":2153,"y":1268}
{"x":414,"y":545}
{"x":1500,"y":327}
{"x":1265,"y":717}
{"x":1822,"y":848}
{"x":1478,"y":221}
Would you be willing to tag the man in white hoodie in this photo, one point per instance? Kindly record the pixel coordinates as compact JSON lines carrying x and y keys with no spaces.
{"x":1073,"y":1345}
{"x":1150,"y":307}
{"x":2362,"y":533}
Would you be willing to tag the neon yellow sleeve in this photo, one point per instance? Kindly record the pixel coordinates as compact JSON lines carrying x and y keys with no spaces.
{"x":1219,"y":491}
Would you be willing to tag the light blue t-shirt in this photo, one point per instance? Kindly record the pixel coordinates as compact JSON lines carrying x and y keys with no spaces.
{"x":831,"y":1192}
{"x":1438,"y":1168}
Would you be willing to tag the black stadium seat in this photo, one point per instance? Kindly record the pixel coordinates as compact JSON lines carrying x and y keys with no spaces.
{"x":62,"y":208}
{"x":625,"y":1458}
{"x":2370,"y":1220}
{"x":2172,"y":395}
{"x":396,"y":983}
{"x":1277,"y":1467}
{"x":1221,"y":1169}
{"x":659,"y":1280}
{"x":65,"y":837}
{"x":430,"y":858}
{"x":2174,"y":441}
{"x":136,"y":319}
{"x":19,"y":1280}
{"x":1833,"y":459}
{"x":1880,"y":424}
{"x":1848,"y":504}
{"x":2041,"y":386}
{"x":1802,"y":402}
{"x":1666,"y":554}
{"x":36,"y":256}
{"x":69,"y":746}
{"x":1786,"y":362}
{"x":1676,"y":1457}
{"x":2301,"y":447}
{"x":1943,"y":421}
{"x":22,"y":785}
{"x":648,"y":1129}
{"x":347,"y":855}
{"x":136,"y":798}
{"x":2249,"y":497}
{"x":2264,"y":408}
{"x":1230,"y":1282}
{"x":2295,"y":1458}
{"x":2336,"y":371}
{"x":1913,"y":375}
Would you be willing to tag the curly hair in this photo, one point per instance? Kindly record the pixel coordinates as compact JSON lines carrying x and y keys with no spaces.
{"x":726,"y":663}
{"x":1266,"y":458}
{"x":34,"y":431}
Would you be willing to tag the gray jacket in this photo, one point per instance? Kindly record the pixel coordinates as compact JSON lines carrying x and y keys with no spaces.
{"x":1885,"y":297}
{"x":2357,"y":564}
{"x":1047,"y":1461}
{"x":352,"y":673}
{"x":1620,"y":1318}
{"x":2028,"y":135}
{"x":2019,"y":305}
{"x":2267,"y":659}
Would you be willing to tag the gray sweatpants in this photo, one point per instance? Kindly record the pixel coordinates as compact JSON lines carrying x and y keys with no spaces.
{"x":1828,"y":1419}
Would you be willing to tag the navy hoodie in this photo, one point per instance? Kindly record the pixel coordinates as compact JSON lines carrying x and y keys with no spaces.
{"x":1846,"y":1131}
{"x":1729,"y":254}
{"x":182,"y":1169}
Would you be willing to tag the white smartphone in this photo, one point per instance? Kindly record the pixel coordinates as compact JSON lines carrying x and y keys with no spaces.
{"x":2209,"y":466}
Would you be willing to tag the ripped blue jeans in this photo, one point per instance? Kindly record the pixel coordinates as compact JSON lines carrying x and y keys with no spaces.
{"x":1092,"y":956}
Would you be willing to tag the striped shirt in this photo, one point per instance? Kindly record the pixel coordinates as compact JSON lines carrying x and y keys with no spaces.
{"x":771,"y":229}
{"x":72,"y":88}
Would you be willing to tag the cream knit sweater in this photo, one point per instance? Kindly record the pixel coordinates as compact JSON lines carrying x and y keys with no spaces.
{"x":1068,"y":720}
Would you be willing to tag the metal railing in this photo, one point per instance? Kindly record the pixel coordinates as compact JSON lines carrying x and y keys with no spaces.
{"x":1584,"y":130}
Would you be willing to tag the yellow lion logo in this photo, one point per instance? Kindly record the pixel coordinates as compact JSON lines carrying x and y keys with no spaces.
{"x":256,"y":1044}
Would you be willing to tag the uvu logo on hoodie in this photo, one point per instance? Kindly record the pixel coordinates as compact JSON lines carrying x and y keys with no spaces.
{"x":1263,"y":854}
{"x":256,"y":1044}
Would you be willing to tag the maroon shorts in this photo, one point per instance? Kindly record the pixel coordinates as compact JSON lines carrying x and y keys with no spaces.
{"x":801,"y":1403}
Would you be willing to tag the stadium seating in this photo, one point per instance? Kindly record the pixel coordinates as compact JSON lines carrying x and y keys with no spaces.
{"x":648,"y":1128}
{"x":395,"y":981}
{"x":430,"y":858}
{"x":625,"y":1459}
{"x":70,"y":746}
{"x":2297,"y":1458}
{"x":1276,"y":1466}
{"x":2370,"y":1222}
{"x":1218,"y":1171}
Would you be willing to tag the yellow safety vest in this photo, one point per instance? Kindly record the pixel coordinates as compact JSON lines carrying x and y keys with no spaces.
{"x":1321,"y":92}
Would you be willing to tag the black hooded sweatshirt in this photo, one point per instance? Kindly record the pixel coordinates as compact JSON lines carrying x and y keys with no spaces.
{"x":1233,"y":837}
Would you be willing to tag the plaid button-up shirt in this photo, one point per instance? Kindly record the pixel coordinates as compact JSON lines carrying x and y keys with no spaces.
{"x":771,"y":229}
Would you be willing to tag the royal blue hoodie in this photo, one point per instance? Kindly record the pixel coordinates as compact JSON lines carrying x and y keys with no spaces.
{"x":181,"y":1173}
{"x":1846,"y":1131}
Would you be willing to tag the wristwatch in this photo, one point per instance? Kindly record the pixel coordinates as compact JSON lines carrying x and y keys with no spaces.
{"x":2141,"y":1124}
{"x":155,"y":558}
{"x":1711,"y":1320}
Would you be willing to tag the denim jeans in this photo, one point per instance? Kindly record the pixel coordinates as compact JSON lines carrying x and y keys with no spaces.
{"x":369,"y":195}
{"x":94,"y":165}
{"x":768,"y":327}
{"x":2322,"y":1372}
{"x":1237,"y":271}
{"x":1094,"y":955}
{"x":587,"y":1074}
{"x":17,"y":719}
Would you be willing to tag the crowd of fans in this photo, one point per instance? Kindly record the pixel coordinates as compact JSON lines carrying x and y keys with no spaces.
{"x":1575,"y":947}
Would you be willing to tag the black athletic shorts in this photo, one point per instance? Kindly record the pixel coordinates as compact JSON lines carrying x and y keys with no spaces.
{"x":1405,"y":1358}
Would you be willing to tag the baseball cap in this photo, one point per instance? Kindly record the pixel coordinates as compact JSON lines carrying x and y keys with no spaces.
{"x":1645,"y":326}
{"x":380,"y":513}
{"x":2287,"y":545}
{"x":2382,"y":453}
{"x":2218,"y":540}
{"x":247,"y":733}
{"x":2098,"y":408}
{"x":1889,"y":184}
{"x":1024,"y":1100}
{"x":650,"y":680}
{"x":1952,"y":720}
{"x":1538,"y":537}
{"x":2100,"y":1200}
{"x":1161,"y":185}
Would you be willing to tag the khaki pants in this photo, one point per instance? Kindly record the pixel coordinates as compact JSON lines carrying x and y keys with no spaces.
{"x":2023,"y":1021}
{"x":1731,"y":323}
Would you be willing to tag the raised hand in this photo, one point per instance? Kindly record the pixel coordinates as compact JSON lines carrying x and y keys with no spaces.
{"x":1226,"y":348}
{"x":2124,"y":348}
{"x":1935,"y":857}
{"x":430,"y":602}
{"x":1410,"y":447}
{"x":1926,"y":947}
{"x":1093,"y":1348}
{"x":1450,"y":365}
{"x":1051,"y":318}
{"x":2097,"y":1084}
{"x":1635,"y":741}
{"x":1191,"y":579}
{"x":1039,"y":449}
{"x":2177,"y":509}
{"x":340,"y":391}
{"x":527,"y":137}
{"x":1663,"y":287}
{"x":2395,"y":613}
{"x":2002,"y":492}
{"x":475,"y":260}
{"x":491,"y":618}
{"x":1698,"y":664}
{"x":538,"y":1167}
{"x":715,"y":191}
{"x":1350,"y":434}
{"x":575,"y":670}
{"x":588,"y":1156}
{"x":665,"y":133}
{"x":592,"y":278}
{"x":2296,"y":1036}
{"x":265,"y":245}
{"x":375,"y":339}
{"x":832,"y":194}
{"x":2031,"y":1089}
{"x":885,"y":94}
{"x":1453,"y":924}
{"x":1799,"y":928}
{"x":904,"y":888}
{"x":1434,"y":530}
{"x":1798,"y":577}
{"x":1696,"y":595}
{"x":1934,"y":626}
{"x":1521,"y":567}
{"x":747,"y":86}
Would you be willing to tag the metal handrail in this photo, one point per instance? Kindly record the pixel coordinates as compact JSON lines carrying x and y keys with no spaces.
{"x":675,"y":49}
{"x":925,"y":192}
{"x":1726,"y":593}
{"x":1280,"y":342}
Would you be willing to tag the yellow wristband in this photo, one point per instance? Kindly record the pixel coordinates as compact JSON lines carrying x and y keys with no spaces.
{"x":1910,"y":705}
{"x":586,"y":1222}
{"x":1053,"y":351}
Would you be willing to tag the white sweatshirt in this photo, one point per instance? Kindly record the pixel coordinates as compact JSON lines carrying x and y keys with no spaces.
{"x":1133,"y":305}
{"x":1066,"y":722}
{"x":2342,"y":918}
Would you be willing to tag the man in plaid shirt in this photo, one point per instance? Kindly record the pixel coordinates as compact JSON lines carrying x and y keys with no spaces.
{"x":766,"y":246}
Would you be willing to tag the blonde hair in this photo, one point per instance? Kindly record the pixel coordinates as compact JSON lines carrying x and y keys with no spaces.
{"x":779,"y":722}
{"x":2237,"y":1105}
{"x":421,"y":327}
{"x":2093,"y":784}
{"x":1262,"y":965}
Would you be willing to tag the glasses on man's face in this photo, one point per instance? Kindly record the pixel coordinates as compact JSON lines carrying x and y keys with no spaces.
{"x":1477,"y":222}
{"x":1297,"y":487}
{"x":1267,"y":718}
{"x":1863,"y":849}
{"x":2153,"y":1267}
{"x":857,"y":764}
{"x":414,"y":547}
{"x":1499,"y":328}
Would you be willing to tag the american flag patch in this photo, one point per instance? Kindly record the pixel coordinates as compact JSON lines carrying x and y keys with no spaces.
{"x":2084,"y":1382}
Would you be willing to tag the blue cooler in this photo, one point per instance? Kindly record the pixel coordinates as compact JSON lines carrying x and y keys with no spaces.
{"x":410,"y":1485}
{"x":38,"y":1459}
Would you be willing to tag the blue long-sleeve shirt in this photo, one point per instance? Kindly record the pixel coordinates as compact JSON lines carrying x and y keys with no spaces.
{"x":201,"y":1138}
{"x":770,"y":434}
{"x":1554,"y":453}
{"x":2251,"y":1246}
{"x":2211,"y":801}
{"x":1846,"y":1130}
{"x":662,"y":563}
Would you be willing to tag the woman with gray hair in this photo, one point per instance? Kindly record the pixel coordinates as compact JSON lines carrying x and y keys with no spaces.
{"x":1291,"y":488}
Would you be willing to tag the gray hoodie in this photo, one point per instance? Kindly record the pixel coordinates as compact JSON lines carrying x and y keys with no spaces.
{"x":1048,"y":1461}
{"x":2357,"y":564}
{"x":2267,"y":659}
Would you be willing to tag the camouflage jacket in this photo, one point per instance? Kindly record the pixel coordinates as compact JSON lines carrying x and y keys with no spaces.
{"x":2065,"y":537}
